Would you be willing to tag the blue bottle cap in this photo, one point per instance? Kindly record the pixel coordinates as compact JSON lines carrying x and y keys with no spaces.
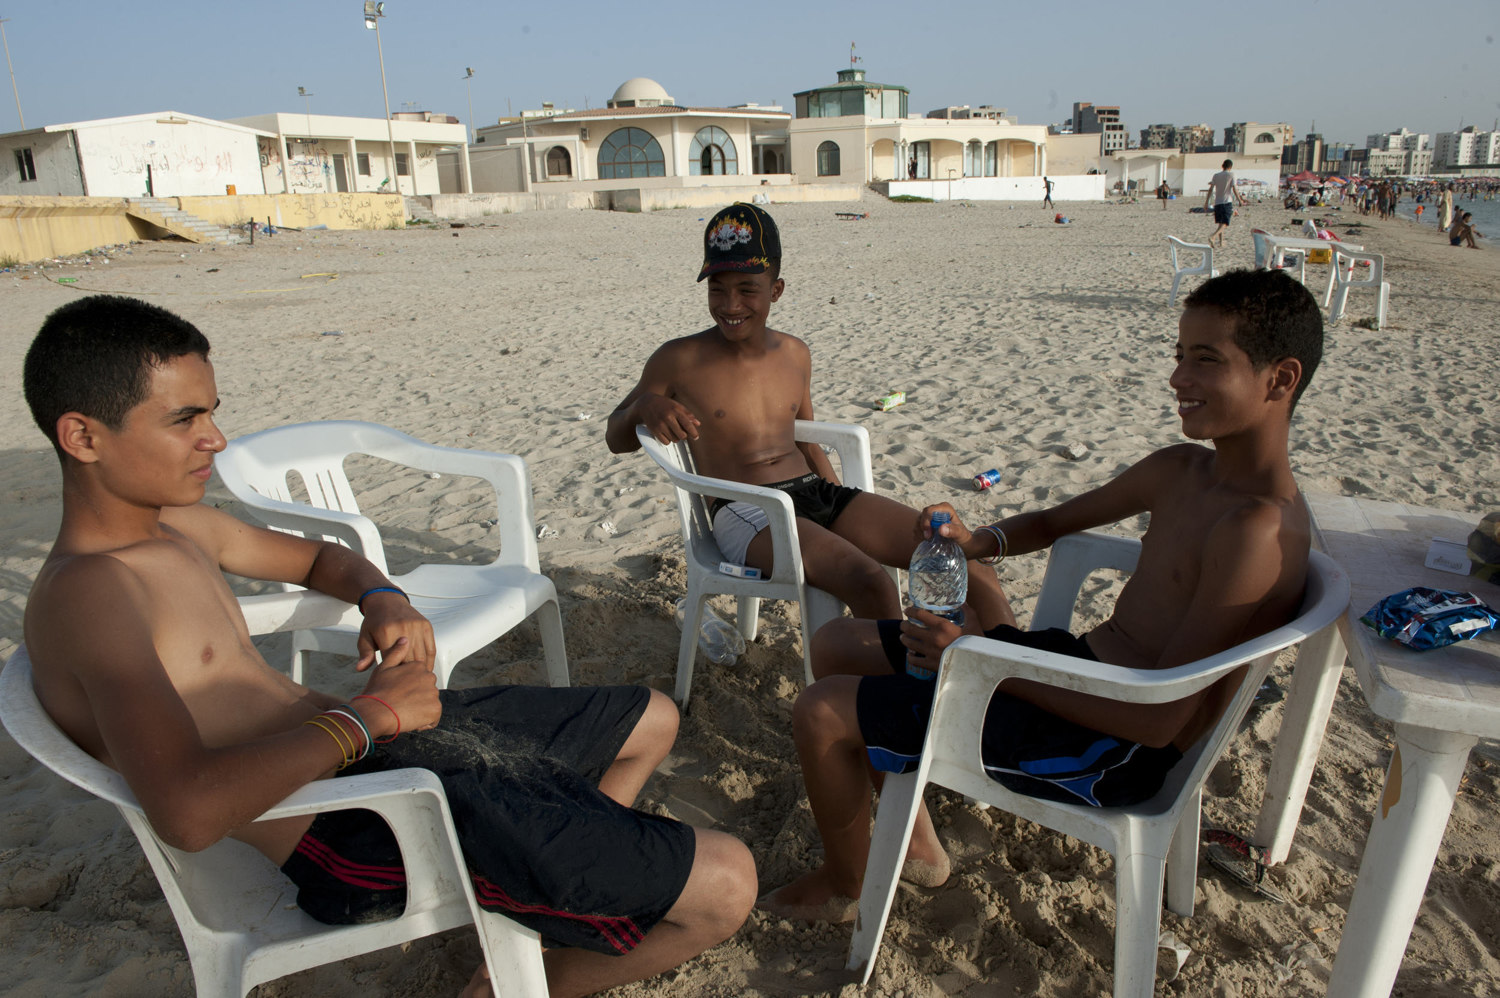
{"x":938,"y":519}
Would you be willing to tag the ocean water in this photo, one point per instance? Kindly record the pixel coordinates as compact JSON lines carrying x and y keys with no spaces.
{"x":1486,"y":216}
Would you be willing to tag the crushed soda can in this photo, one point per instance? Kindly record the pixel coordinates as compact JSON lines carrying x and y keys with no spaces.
{"x":1423,"y":618}
{"x":986,"y":479}
{"x":888,"y":402}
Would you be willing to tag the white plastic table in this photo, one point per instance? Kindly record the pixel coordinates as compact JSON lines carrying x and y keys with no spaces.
{"x":1276,"y":247}
{"x":1440,"y":703}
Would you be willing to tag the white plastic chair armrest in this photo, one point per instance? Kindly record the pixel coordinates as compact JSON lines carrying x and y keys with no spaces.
{"x":295,"y":611}
{"x":776,"y":504}
{"x":365,"y":790}
{"x":1073,"y":557}
{"x":507,"y":475}
{"x":977,"y":665}
{"x":354,"y":529}
{"x":851,"y":444}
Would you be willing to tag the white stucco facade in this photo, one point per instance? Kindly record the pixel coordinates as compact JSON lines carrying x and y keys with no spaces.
{"x":322,"y":153}
{"x":169,"y":153}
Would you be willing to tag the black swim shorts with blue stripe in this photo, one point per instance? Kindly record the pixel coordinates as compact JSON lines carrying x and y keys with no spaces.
{"x":1023,"y":747}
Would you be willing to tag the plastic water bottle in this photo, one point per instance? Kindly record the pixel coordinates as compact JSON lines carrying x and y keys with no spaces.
{"x":720,"y":640}
{"x":938,"y":581}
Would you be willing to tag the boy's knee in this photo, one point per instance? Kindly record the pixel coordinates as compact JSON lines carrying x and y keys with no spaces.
{"x":731,"y":881}
{"x":661,"y":715}
{"x":817,"y":715}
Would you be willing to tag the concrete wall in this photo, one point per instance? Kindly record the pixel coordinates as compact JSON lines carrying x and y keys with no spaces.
{"x":1089,"y":187}
{"x":1191,"y":172}
{"x":337,"y":211}
{"x":54,"y":158}
{"x":185,"y":159}
{"x":467,"y":207}
{"x":36,"y":228}
{"x":1072,"y":154}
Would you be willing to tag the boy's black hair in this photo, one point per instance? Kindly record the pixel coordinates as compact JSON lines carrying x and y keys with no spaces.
{"x":1228,"y":163}
{"x":1275,"y":317}
{"x":95,"y":356}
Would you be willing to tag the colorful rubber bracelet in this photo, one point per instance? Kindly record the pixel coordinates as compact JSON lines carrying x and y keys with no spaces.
{"x":330,"y":734}
{"x":346,"y":715}
{"x":344,"y":757}
{"x":379,"y":589}
{"x":1002,"y":546}
{"x":364,"y":729}
{"x":383,"y":741}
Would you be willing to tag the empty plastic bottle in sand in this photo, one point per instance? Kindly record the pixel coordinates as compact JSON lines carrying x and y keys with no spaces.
{"x":717,"y":637}
{"x":938,"y":580}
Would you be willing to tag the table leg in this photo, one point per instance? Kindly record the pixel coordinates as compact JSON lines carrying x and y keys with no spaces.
{"x":1420,"y":785}
{"x":1315,"y":680}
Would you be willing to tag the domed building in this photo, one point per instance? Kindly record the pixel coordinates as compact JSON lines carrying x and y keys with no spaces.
{"x":642,"y":136}
{"x":641,"y":92}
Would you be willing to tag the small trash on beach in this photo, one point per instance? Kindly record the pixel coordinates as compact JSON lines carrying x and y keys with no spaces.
{"x":543,"y":532}
{"x":67,"y":280}
{"x":1074,"y":451}
{"x":888,"y":402}
{"x":1179,"y":953}
{"x":584,"y":415}
{"x":433,"y":474}
{"x":333,"y":332}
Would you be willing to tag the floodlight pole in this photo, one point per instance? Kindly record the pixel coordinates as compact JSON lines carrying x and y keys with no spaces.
{"x":469,"y":82}
{"x":6,"y":43}
{"x":373,"y":13}
{"x":307,"y":109}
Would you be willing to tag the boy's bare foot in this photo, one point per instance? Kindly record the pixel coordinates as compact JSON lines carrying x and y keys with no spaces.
{"x":479,"y":985}
{"x":927,"y":874}
{"x":812,"y":897}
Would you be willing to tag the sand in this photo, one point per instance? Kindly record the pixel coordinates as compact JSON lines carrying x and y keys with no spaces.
{"x":1014,"y":339}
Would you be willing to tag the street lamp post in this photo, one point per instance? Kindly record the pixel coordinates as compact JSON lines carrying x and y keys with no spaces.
{"x":374,"y":11}
{"x":4,"y":41}
{"x":307,"y":108}
{"x":469,"y":82}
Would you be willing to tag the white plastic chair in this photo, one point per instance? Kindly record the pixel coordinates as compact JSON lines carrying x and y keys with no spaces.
{"x":469,"y":605}
{"x":1349,"y":261}
{"x":1145,"y":838}
{"x":1181,"y":270}
{"x":237,"y":913}
{"x":851,"y":444}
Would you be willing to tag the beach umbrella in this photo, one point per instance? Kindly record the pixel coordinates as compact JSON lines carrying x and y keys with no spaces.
{"x":1305,"y":177}
{"x":1337,"y":180}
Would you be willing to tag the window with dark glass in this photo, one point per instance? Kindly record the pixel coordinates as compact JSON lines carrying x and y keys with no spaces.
{"x":712,"y":153}
{"x":828,"y":160}
{"x":630,"y":152}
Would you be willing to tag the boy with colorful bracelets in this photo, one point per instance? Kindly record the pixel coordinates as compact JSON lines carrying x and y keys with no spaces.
{"x":142,"y":657}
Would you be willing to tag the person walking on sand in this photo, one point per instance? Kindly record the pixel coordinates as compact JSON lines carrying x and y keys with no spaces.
{"x":1445,"y":208}
{"x":1162,"y":193}
{"x":1047,"y":198}
{"x":1223,"y":193}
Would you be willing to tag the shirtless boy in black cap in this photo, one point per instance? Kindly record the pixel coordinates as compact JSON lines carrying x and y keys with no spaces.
{"x":734,"y":392}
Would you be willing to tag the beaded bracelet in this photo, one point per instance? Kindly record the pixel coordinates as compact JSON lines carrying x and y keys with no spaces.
{"x":1002,"y":546}
{"x":379,"y":589}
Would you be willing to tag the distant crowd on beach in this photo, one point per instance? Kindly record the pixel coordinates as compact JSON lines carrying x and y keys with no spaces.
{"x":1383,"y":196}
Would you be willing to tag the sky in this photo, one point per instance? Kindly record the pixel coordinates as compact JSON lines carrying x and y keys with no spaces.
{"x":1345,"y":69}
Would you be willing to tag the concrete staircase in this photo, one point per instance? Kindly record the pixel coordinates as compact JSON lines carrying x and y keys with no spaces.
{"x":419,"y":208}
{"x":195,"y":230}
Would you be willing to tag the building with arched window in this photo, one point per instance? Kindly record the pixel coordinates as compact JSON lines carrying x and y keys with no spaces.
{"x":858,"y":131}
{"x":642,"y":136}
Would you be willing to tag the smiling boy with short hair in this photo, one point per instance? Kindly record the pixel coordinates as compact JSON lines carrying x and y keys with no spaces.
{"x":734,"y":392}
{"x":1223,"y":559}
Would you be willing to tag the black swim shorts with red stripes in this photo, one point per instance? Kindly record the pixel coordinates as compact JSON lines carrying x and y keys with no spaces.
{"x":520,"y":766}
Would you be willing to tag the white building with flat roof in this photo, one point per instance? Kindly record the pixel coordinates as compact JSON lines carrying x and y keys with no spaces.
{"x":322,"y":153}
{"x":165,"y":154}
